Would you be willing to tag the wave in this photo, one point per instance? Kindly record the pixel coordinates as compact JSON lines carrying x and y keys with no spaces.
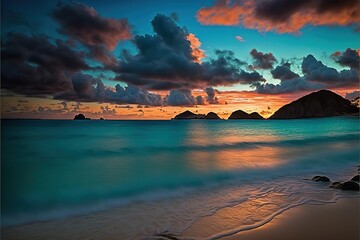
{"x":259,"y":184}
{"x":334,"y":138}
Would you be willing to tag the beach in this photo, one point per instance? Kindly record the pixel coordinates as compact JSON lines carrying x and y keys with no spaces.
{"x":334,"y":221}
{"x":340,"y":220}
{"x":194,"y":180}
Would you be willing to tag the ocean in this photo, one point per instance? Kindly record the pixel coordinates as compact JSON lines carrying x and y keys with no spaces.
{"x":168,"y":176}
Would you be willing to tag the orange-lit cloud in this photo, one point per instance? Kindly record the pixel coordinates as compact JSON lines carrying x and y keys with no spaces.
{"x":195,"y":45}
{"x":280,"y":16}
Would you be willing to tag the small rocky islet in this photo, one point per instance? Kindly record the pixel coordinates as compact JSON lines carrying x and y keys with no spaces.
{"x":81,"y":117}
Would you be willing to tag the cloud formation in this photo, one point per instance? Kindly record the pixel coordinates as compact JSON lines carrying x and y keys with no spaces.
{"x":33,"y":65}
{"x":262,"y":60}
{"x":211,"y":98}
{"x":100,"y":35}
{"x":282,"y":16}
{"x":182,"y":97}
{"x":316,"y":76}
{"x":166,"y":61}
{"x":316,"y":71}
{"x":283,"y":72}
{"x":350,"y":58}
{"x":84,"y":24}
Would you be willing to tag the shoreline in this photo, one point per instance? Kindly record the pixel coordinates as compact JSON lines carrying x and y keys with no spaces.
{"x":339,"y":220}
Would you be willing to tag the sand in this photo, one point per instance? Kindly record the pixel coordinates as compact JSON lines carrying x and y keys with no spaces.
{"x":334,"y":221}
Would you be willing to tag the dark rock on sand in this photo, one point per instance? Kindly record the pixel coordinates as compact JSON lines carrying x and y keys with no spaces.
{"x":336,"y":185}
{"x":320,"y":179}
{"x":166,"y":235}
{"x":356,"y":178}
{"x":239,"y":114}
{"x":212,"y":116}
{"x":350,"y":185}
{"x":323,"y":103}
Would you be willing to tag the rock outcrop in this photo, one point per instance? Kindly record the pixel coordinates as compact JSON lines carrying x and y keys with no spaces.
{"x":320,"y":179}
{"x":356,"y":178}
{"x":81,"y":117}
{"x":239,"y":114}
{"x":189,"y":115}
{"x":323,"y":103}
{"x":212,"y":116}
{"x":350,"y":185}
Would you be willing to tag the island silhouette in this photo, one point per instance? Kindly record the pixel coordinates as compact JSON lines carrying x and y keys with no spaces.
{"x":323,"y":103}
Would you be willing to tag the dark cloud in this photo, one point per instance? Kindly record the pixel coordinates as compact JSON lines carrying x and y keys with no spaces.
{"x":84,"y":24}
{"x":182,"y":98}
{"x":279,"y":10}
{"x":282,"y":16}
{"x":88,"y":89}
{"x":127,"y":107}
{"x":165,"y":61}
{"x":315,"y":76}
{"x":102,"y":54}
{"x":132,"y":94}
{"x":316,"y":71}
{"x":262,"y":60}
{"x":100,"y":35}
{"x":34,"y":65}
{"x":288,"y":86}
{"x":211,"y":98}
{"x":283,"y":72}
{"x":350,"y":58}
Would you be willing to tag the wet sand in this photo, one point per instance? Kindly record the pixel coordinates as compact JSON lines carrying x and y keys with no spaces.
{"x":335,"y":221}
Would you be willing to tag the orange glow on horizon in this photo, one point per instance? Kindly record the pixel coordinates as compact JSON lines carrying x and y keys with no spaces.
{"x":229,"y":101}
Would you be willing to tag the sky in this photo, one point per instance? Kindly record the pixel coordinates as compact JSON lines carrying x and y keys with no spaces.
{"x":154,"y":59}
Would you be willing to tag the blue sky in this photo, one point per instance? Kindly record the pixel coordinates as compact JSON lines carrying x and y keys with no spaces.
{"x":328,"y":30}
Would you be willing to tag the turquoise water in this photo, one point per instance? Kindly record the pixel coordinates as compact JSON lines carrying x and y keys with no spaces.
{"x":56,"y":168}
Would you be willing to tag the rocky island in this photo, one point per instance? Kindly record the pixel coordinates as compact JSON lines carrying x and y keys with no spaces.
{"x":187,"y":115}
{"x":239,"y":114}
{"x":81,"y":117}
{"x":323,"y":103}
